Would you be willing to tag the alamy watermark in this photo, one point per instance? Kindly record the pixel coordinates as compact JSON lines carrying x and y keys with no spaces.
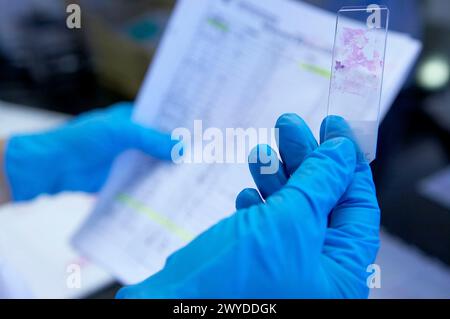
{"x":73,"y":279}
{"x":374,"y":279}
{"x":213,"y":145}
{"x":374,"y":20}
{"x":73,"y":20}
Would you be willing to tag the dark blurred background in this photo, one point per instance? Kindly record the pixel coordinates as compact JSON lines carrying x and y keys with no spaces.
{"x":46,"y":65}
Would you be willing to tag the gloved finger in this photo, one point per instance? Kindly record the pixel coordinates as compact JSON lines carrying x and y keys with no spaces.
{"x":316,"y":187}
{"x":353,"y":236}
{"x":247,"y":198}
{"x":295,"y":141}
{"x":266,"y":169}
{"x":148,"y":140}
{"x":335,"y":126}
{"x":136,"y":136}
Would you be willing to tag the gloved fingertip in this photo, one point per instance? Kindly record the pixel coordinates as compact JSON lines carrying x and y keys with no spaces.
{"x":295,"y":141}
{"x":267,"y":170}
{"x":335,"y":126}
{"x":157,"y":144}
{"x":260,"y":154}
{"x":263,"y":159}
{"x":289,"y":119}
{"x":247,"y":198}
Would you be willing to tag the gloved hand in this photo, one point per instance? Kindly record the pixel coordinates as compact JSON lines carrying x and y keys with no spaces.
{"x":313,"y":237}
{"x":78,"y":156}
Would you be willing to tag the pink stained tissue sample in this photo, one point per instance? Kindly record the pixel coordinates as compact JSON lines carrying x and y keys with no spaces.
{"x":358,"y":64}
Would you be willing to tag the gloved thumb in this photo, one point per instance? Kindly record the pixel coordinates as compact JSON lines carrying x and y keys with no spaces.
{"x":150,"y":141}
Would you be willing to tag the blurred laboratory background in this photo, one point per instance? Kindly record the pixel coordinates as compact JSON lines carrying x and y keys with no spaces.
{"x":46,"y":66}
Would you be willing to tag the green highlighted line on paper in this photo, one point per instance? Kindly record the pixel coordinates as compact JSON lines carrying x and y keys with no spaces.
{"x":316,"y":69}
{"x":155,"y":217}
{"x":218,"y":24}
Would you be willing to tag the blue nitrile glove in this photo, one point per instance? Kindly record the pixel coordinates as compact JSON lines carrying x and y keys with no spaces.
{"x":78,"y":155}
{"x":313,"y":237}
